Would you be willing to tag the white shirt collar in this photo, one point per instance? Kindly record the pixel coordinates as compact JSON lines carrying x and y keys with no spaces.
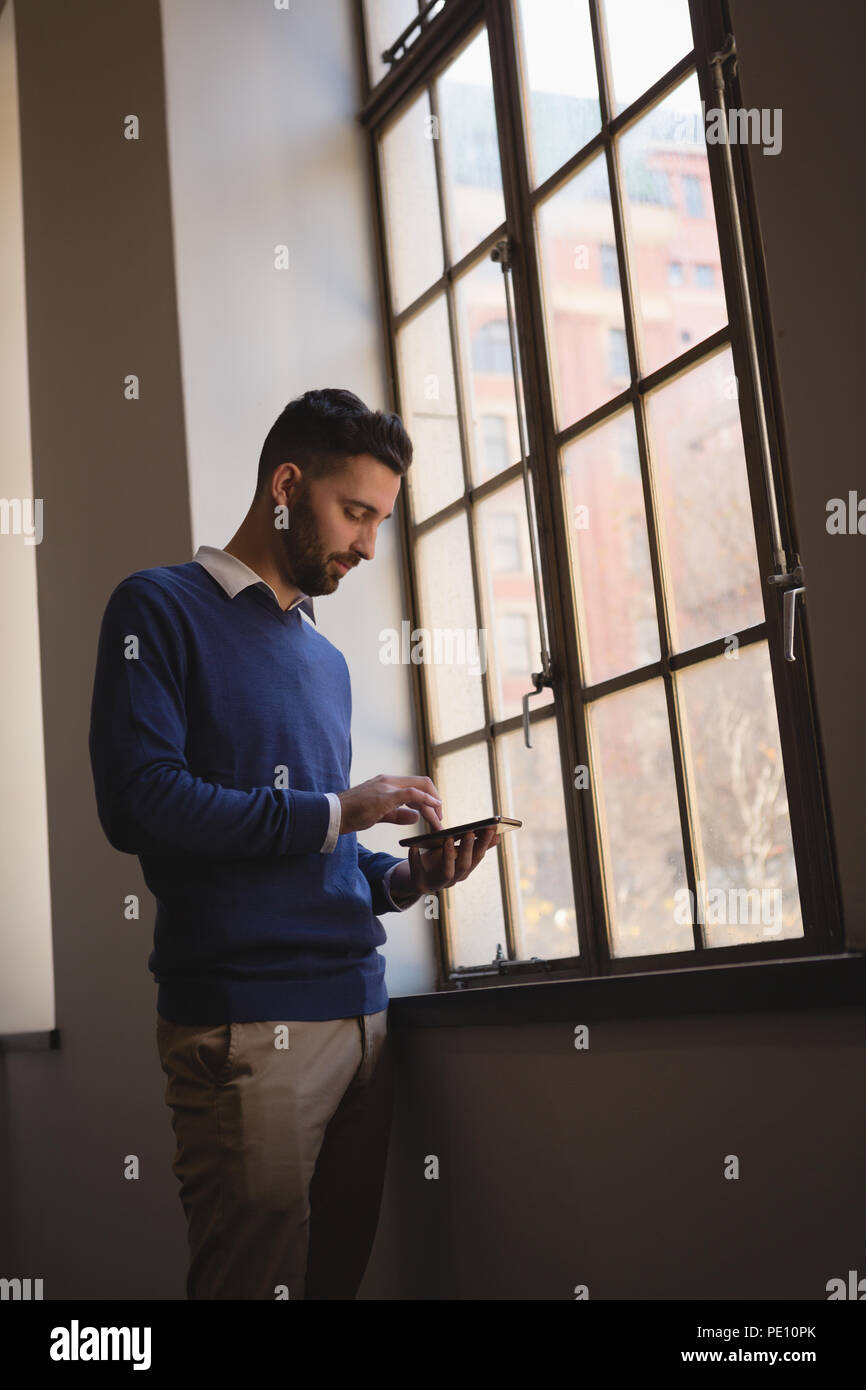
{"x":234,"y":576}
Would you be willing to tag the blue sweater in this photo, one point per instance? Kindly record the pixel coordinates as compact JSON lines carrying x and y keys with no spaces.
{"x":212,"y":749}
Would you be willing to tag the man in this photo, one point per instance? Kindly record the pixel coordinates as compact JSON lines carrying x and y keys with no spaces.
{"x":221,"y":751}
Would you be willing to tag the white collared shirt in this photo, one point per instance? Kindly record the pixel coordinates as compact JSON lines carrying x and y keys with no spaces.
{"x":234,"y":576}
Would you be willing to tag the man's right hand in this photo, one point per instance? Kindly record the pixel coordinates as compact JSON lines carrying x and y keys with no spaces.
{"x":386,"y":798}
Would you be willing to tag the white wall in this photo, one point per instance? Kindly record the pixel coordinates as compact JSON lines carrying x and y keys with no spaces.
{"x":264,"y":151}
{"x":26,"y":958}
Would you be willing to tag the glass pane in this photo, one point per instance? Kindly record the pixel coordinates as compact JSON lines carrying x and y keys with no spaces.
{"x":429,"y":410}
{"x":505,"y":567}
{"x":470,"y":149}
{"x":671,"y":228}
{"x":749,"y":874}
{"x":700,"y":475}
{"x":475,"y":916}
{"x":560,"y":81}
{"x":411,"y":205}
{"x":610,"y":556}
{"x":538,"y":853}
{"x":582,"y":299}
{"x":385,"y":21}
{"x":635,"y":791}
{"x":488,"y":376}
{"x":449,"y":645}
{"x":643,"y":43}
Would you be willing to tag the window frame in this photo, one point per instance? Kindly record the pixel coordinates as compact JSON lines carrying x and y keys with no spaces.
{"x":808,"y":808}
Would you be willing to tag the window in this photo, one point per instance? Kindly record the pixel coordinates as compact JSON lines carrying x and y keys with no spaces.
{"x":628,"y":458}
{"x":515,"y":642}
{"x":617,"y":353}
{"x":505,"y":542}
{"x":669,"y":794}
{"x":490,"y":347}
{"x":693,"y":196}
{"x":609,"y":268}
{"x":494,"y":437}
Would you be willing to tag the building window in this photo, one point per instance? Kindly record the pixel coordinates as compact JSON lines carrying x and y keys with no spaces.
{"x":515,"y":643}
{"x":617,"y":353}
{"x":693,"y":195}
{"x":705,"y":276}
{"x":505,"y":542}
{"x":491,"y":351}
{"x":675,"y":273}
{"x":609,"y":267}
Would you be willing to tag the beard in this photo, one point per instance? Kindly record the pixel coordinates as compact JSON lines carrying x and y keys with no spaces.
{"x":305,"y":556}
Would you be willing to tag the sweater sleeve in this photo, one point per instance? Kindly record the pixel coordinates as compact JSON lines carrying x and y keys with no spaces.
{"x":374,"y":867}
{"x":147,"y":799}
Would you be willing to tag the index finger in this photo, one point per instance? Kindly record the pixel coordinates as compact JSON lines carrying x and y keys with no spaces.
{"x":426,"y":804}
{"x":423,"y":784}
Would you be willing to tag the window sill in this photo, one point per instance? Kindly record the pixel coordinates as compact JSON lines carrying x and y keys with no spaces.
{"x":815,"y":982}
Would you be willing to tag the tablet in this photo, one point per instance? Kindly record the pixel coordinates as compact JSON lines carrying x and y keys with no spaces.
{"x":435,"y":837}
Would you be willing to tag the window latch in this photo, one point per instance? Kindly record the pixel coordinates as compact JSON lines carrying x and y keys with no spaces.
{"x":539,"y":679}
{"x":790,"y":585}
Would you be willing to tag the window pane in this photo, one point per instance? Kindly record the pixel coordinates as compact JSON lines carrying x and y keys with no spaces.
{"x":509,"y":598}
{"x":742,"y":803}
{"x":699,"y":467}
{"x":449,"y":646}
{"x":560,"y":81}
{"x":582,"y":295}
{"x":488,"y":376}
{"x":470,"y":149}
{"x":385,"y":21}
{"x":671,"y":225}
{"x":643,"y":42}
{"x":429,"y":410}
{"x":475,"y":916}
{"x":537,"y":853}
{"x":411,"y":203}
{"x":610,"y":557}
{"x":635,"y":791}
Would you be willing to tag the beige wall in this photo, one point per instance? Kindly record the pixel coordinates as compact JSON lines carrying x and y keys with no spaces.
{"x":811,"y":206}
{"x":26,"y":963}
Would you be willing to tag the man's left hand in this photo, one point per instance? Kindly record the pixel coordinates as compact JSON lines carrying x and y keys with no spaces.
{"x":430,"y":870}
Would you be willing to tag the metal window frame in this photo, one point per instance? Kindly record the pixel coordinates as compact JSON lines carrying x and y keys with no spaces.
{"x":802,"y":753}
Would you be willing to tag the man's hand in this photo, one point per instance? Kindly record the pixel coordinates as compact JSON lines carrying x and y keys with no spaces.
{"x":382,"y":799}
{"x":430,"y":870}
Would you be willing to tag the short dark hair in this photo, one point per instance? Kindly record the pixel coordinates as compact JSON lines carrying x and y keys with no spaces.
{"x":321,"y":429}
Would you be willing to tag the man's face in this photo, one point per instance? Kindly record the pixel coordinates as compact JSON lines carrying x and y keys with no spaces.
{"x":336,"y":519}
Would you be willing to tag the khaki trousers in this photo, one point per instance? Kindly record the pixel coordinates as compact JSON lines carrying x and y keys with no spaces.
{"x":282,"y":1132}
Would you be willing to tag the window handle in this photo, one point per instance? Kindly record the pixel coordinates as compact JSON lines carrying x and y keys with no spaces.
{"x":539,"y":679}
{"x":790,"y":600}
{"x":791,"y":584}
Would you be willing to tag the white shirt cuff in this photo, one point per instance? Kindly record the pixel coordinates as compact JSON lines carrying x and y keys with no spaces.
{"x":333,"y":824}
